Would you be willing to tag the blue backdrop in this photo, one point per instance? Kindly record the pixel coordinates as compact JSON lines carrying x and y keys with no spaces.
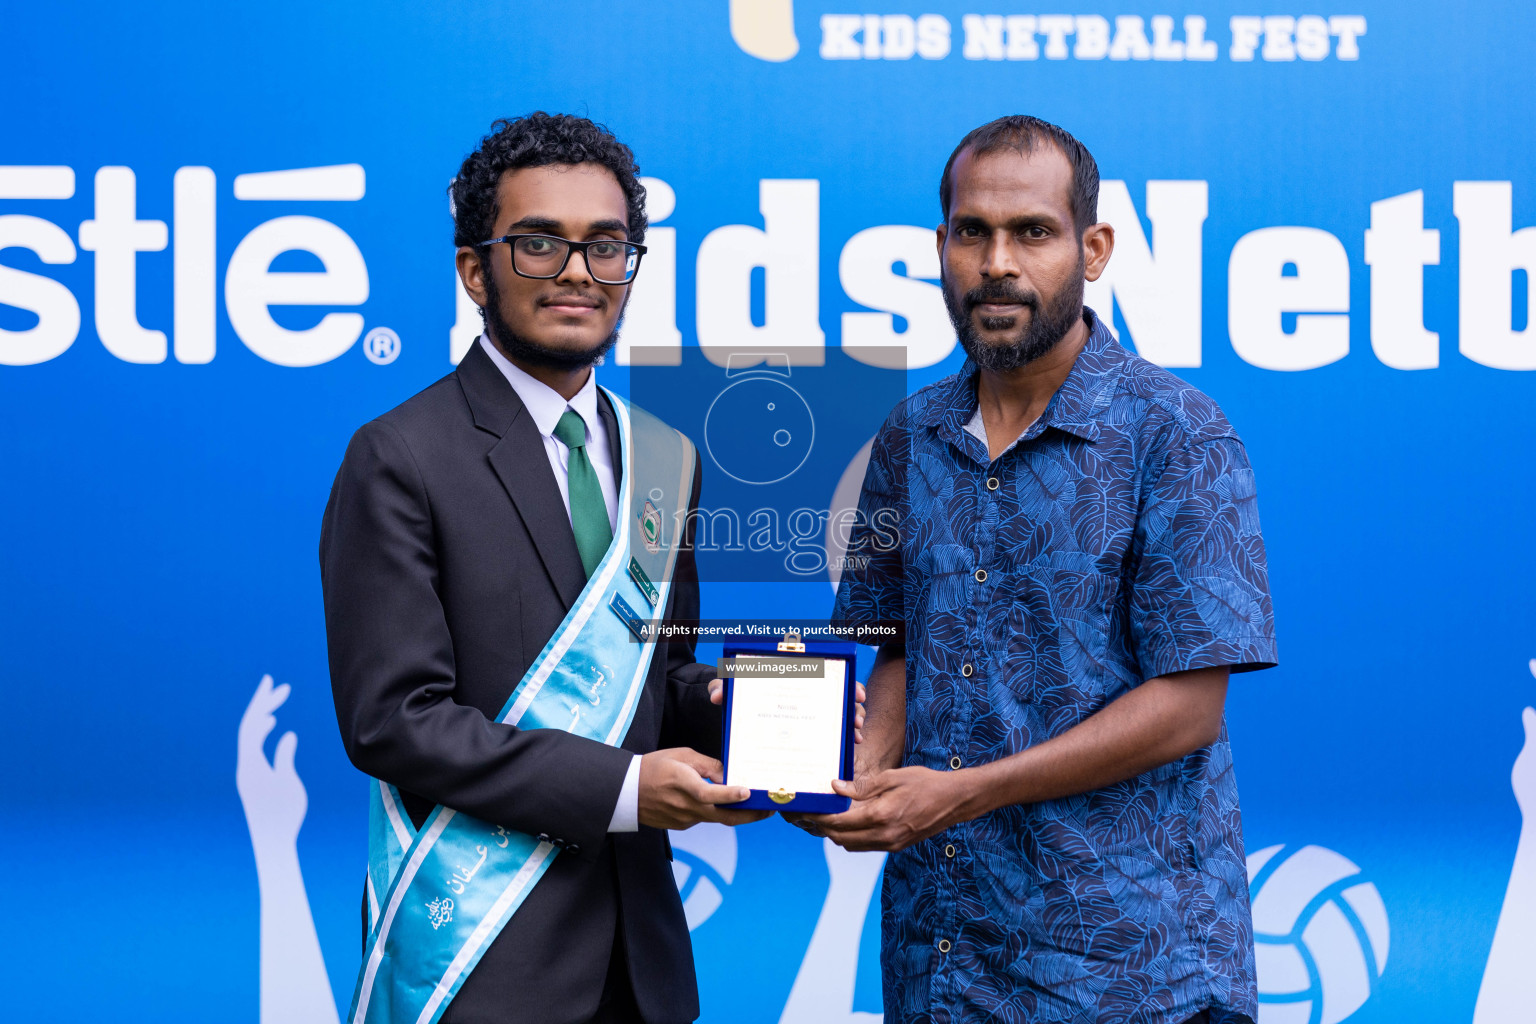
{"x":162,"y":494}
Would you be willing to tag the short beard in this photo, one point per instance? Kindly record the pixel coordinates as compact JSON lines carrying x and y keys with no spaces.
{"x":526,"y":350}
{"x":1048,"y":322}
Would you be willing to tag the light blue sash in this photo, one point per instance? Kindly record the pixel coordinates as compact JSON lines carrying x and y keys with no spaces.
{"x":448,"y":890}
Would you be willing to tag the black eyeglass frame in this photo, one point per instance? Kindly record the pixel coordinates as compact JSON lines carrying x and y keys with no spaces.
{"x":570,"y":247}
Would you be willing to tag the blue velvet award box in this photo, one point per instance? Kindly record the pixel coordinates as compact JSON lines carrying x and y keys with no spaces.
{"x":789,"y":723}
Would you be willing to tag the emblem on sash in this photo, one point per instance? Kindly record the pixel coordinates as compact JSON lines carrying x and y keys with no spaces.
{"x":650,"y":527}
{"x":440,"y":911}
{"x":423,"y":940}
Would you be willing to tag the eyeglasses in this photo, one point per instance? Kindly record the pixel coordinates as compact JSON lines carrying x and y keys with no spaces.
{"x":545,"y":256}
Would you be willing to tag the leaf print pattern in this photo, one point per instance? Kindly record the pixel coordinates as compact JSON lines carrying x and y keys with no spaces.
{"x":1120,"y":542}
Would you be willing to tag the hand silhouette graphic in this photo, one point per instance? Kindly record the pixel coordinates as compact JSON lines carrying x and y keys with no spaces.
{"x":1509,"y":988}
{"x":294,"y":986}
{"x":824,"y":987}
{"x":272,"y":794}
{"x":1523,"y":778}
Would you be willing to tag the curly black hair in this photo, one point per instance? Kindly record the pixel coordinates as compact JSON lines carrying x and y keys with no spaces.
{"x":535,"y":140}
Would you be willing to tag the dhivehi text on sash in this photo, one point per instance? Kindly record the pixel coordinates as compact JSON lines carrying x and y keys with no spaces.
{"x":438,"y":896}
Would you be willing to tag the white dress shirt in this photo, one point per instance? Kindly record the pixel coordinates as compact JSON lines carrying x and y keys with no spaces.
{"x":546,"y":406}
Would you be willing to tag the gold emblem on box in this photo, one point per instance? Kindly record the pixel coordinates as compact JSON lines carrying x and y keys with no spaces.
{"x":781,"y":796}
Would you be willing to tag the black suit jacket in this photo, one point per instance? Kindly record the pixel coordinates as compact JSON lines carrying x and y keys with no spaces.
{"x":447,"y":561}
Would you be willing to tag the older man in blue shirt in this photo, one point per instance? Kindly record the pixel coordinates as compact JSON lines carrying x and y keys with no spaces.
{"x":1079,"y":567}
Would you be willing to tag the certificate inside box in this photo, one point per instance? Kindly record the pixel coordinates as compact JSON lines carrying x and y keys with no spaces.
{"x":788,"y":736}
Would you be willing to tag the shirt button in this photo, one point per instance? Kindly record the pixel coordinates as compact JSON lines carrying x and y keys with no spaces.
{"x":981,"y":575}
{"x":944,"y":946}
{"x":966,"y":670}
{"x":949,"y":850}
{"x":992,"y":483}
{"x":954,"y":762}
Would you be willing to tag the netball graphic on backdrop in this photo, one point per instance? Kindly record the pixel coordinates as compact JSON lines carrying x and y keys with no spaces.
{"x":703,"y":865}
{"x":1320,"y":935}
{"x":296,"y":990}
{"x":1322,"y":938}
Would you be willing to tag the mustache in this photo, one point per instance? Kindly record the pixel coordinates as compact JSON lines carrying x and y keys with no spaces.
{"x":596,"y":301}
{"x":1000,"y":292}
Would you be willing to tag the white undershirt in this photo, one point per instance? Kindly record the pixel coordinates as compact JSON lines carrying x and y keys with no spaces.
{"x":977,"y":428}
{"x":546,"y":406}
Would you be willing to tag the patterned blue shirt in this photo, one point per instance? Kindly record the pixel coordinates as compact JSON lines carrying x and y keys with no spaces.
{"x":1117,"y":541}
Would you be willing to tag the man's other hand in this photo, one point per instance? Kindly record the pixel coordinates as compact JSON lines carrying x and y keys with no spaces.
{"x":891,"y":809}
{"x":676,"y":791}
{"x":717,"y":696}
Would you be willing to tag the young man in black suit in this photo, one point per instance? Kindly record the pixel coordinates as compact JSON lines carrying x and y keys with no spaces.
{"x":462,"y":527}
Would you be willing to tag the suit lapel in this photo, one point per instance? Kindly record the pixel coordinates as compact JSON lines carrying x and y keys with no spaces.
{"x":521,"y":464}
{"x":611,"y":427}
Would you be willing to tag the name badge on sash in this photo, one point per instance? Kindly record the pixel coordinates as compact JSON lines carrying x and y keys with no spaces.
{"x":439,"y":896}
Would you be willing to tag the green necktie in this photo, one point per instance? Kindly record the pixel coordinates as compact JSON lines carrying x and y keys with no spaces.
{"x":589,"y":512}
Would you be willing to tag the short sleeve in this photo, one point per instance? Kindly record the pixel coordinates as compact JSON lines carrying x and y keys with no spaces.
{"x":1200,"y":591}
{"x":870,"y":591}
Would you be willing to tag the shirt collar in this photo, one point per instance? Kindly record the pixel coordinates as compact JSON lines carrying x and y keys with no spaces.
{"x":1074,"y":408}
{"x":544,"y":403}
